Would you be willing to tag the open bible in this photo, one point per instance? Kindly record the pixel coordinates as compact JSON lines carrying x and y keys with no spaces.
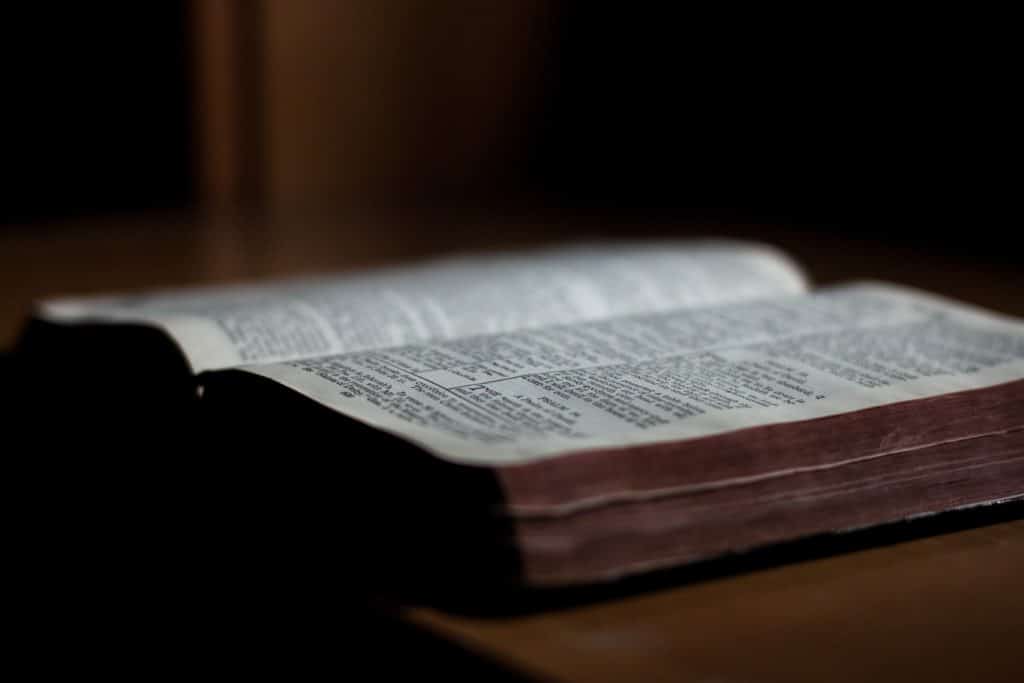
{"x":575,"y":415}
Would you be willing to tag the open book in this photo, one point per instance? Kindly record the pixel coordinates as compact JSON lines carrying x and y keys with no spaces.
{"x":579,"y":414}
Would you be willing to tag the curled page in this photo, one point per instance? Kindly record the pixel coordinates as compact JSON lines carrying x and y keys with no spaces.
{"x":443,"y":299}
{"x":513,"y":398}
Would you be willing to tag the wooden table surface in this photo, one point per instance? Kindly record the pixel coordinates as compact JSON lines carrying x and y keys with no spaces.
{"x":943,"y":607}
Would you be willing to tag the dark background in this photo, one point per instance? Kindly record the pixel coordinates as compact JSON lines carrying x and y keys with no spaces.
{"x":846,"y":120}
{"x":98,"y":100}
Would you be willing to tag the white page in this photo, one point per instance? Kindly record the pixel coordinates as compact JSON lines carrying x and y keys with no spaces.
{"x":443,"y":299}
{"x":517,"y":397}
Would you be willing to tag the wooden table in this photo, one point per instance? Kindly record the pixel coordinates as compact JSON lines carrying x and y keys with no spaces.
{"x":942,"y":607}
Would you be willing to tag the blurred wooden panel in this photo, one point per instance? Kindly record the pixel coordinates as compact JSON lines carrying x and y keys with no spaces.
{"x":227,"y":115}
{"x":320,"y":104}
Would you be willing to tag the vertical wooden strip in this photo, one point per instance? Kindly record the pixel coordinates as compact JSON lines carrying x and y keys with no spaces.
{"x":228,"y":102}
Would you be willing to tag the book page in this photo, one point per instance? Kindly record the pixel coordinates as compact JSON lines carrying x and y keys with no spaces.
{"x":517,"y":397}
{"x":443,"y":299}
